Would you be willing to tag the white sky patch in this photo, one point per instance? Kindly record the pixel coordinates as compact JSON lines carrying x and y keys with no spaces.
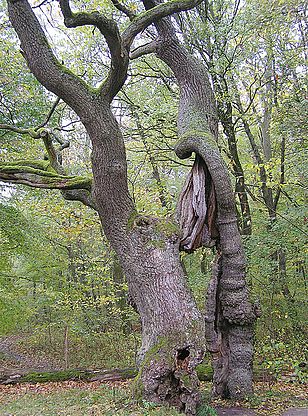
{"x":6,"y":190}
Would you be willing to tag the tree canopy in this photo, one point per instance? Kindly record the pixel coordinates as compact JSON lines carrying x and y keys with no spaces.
{"x":115,"y":100}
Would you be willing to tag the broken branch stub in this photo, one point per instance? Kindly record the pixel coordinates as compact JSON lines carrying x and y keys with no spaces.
{"x":197,"y":209}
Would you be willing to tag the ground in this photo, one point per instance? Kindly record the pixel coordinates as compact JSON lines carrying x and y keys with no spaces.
{"x":109,"y":399}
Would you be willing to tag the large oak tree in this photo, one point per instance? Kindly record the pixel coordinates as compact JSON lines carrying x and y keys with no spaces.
{"x":174,"y":331}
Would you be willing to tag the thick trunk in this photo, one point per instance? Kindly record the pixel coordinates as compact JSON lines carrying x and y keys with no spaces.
{"x":230,"y":326}
{"x":173,"y":331}
{"x":173,"y":337}
{"x":172,"y":328}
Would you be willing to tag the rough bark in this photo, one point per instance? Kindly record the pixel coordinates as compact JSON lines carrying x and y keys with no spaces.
{"x":172,"y":327}
{"x":173,"y":331}
{"x":197,"y":125}
{"x":148,"y":250}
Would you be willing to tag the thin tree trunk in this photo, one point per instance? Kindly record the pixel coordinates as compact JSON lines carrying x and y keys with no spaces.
{"x":225,"y":116}
{"x":66,"y":359}
{"x":266,"y":191}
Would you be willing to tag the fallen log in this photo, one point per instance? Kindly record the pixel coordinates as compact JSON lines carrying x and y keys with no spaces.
{"x":204,"y":372}
{"x":64,"y":375}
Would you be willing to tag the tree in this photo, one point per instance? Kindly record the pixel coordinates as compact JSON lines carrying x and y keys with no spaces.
{"x":173,"y":330}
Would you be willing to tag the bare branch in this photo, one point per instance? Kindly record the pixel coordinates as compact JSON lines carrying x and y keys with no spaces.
{"x":128,"y":12}
{"x":143,"y":50}
{"x":145,"y":19}
{"x":42,"y":4}
{"x":49,"y":115}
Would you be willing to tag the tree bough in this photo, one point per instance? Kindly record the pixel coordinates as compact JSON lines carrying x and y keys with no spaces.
{"x":173,"y":329}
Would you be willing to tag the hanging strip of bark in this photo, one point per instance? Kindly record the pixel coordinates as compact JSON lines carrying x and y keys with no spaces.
{"x":197,"y":209}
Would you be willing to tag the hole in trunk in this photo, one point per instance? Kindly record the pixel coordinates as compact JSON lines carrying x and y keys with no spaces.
{"x":182,"y":354}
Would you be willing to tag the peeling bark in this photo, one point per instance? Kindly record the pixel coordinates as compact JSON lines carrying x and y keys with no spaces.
{"x":198,"y":128}
{"x":197,"y":209}
{"x":173,"y":329}
{"x":229,"y":316}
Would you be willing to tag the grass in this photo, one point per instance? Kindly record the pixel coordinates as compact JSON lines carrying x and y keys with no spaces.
{"x":76,"y":399}
{"x":72,"y":398}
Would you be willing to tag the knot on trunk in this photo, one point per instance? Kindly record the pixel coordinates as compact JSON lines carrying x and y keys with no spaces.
{"x":197,"y":209}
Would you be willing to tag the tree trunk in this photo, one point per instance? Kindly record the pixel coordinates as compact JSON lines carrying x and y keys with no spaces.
{"x":230,"y":326}
{"x":173,"y":339}
{"x":224,"y":108}
{"x":266,"y":191}
{"x":172,"y":327}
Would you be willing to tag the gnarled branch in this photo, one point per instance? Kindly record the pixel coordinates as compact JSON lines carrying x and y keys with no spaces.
{"x":37,"y":174}
{"x":36,"y":177}
{"x":145,"y":19}
{"x":15,"y":129}
{"x":43,"y":63}
{"x":110,"y":31}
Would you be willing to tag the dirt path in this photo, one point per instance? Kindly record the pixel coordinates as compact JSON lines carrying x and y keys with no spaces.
{"x":235,"y":411}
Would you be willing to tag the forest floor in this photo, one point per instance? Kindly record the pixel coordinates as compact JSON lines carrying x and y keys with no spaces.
{"x":109,"y":399}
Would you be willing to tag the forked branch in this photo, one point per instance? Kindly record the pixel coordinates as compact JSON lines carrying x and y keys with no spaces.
{"x":109,"y":29}
{"x":145,"y":19}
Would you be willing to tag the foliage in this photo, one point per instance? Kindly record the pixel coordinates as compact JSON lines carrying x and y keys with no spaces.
{"x":56,"y":268}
